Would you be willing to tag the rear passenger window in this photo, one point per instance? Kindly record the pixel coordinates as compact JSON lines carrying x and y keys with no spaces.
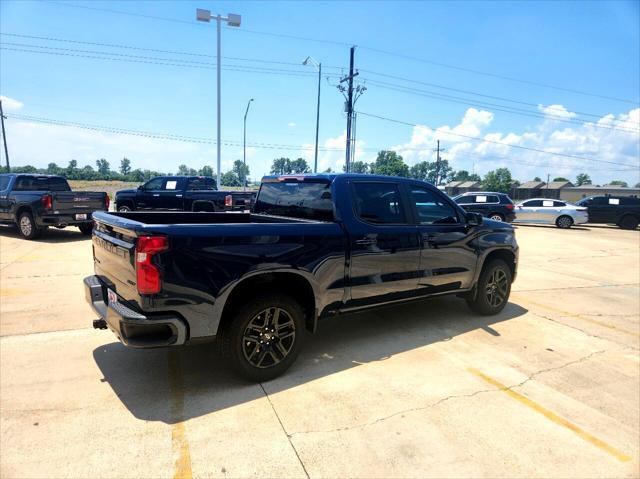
{"x":379,"y":203}
{"x":559,"y":203}
{"x":32,"y":183}
{"x":628,"y":201}
{"x":532,"y":203}
{"x":493,"y":199}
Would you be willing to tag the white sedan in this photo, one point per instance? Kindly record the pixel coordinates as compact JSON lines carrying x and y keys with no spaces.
{"x":551,"y":212}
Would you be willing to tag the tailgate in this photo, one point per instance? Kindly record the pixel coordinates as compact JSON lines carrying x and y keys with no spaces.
{"x":242,"y":199}
{"x":114,"y":258}
{"x":78,"y":201}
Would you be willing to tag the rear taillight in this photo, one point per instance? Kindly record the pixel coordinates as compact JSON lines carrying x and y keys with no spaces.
{"x":149,"y":279}
{"x":107,"y":201}
{"x":47,"y":202}
{"x":509,"y":206}
{"x":228,"y":200}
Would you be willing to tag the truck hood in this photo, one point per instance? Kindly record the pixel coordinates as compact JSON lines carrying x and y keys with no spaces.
{"x":496,"y":225}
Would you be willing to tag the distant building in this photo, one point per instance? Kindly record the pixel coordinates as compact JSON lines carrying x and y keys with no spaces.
{"x":553,"y":189}
{"x":575,"y":193}
{"x":467,"y":186}
{"x":530,"y":189}
{"x":452,"y":188}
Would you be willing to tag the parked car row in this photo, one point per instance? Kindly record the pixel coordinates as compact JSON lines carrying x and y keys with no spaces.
{"x":622,"y":211}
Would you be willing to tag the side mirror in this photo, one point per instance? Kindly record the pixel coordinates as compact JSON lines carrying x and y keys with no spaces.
{"x":474,"y":219}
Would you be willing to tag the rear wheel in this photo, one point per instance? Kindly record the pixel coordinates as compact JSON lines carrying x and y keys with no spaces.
{"x":264,"y":337}
{"x":564,"y":222}
{"x":496,"y":217}
{"x":27,"y":226}
{"x":493,"y":288}
{"x":628,"y":222}
{"x":86,"y":228}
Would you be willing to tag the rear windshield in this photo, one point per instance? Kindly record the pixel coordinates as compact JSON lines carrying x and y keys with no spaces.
{"x":40,"y":183}
{"x":306,"y":200}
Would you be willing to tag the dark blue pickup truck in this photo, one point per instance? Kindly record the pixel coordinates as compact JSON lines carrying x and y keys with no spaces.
{"x":313,"y":246}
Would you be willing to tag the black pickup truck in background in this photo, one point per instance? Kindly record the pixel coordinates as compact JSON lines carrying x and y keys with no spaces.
{"x":35,"y":202}
{"x":313,"y":246}
{"x":182,"y":193}
{"x":623,"y":211}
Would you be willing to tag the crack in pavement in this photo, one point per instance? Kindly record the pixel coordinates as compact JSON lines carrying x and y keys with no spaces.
{"x":285,"y":431}
{"x":454,"y":396}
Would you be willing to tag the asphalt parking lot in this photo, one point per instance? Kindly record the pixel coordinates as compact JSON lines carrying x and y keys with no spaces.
{"x":548,"y":388}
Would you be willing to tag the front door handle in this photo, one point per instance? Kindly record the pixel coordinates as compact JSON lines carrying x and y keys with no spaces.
{"x":366,"y":241}
{"x":156,"y":194}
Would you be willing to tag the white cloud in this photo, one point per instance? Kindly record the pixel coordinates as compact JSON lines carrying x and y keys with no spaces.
{"x":291,"y":124}
{"x":556,"y":112}
{"x":587,"y":140}
{"x":10,"y":104}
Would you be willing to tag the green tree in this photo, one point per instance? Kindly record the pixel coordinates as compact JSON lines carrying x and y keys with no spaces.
{"x":637,"y":185}
{"x":206,"y":171}
{"x":300,"y":166}
{"x":537,"y":178}
{"x":499,"y":180}
{"x":184,"y":170}
{"x":241,"y":170}
{"x":359,"y":167}
{"x":328,"y":170}
{"x":53,"y":169}
{"x":137,"y":175}
{"x":391,"y":164}
{"x":72,"y":168}
{"x":281,"y":166}
{"x":583,"y":179}
{"x":230,"y":178}
{"x":560,"y":178}
{"x":103,"y":167}
{"x":125,"y":166}
{"x":426,"y":171}
{"x":624,"y":184}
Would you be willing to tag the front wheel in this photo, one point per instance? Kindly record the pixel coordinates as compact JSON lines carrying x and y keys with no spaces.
{"x":493,"y":288}
{"x":28,"y":228}
{"x":124,"y":209}
{"x":564,"y":222}
{"x":264,"y":337}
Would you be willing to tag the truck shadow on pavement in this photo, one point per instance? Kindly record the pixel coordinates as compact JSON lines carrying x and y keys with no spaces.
{"x":173,"y":385}
{"x":52,"y":235}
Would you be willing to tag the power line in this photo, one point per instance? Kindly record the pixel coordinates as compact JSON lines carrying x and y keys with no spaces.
{"x":371,"y":49}
{"x":484,"y":140}
{"x":494,"y":106}
{"x":470,"y":92}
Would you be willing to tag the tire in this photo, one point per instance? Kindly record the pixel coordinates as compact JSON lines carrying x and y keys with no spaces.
{"x":564,"y":222}
{"x":86,"y":228}
{"x":240,"y":339}
{"x":490,"y":297}
{"x":628,"y":222}
{"x":27,"y":227}
{"x":124,"y":208}
{"x":496,"y":217}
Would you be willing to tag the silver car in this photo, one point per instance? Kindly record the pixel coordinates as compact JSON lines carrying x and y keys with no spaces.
{"x":549,"y":211}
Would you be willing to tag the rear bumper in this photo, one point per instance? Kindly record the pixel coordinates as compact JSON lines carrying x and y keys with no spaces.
{"x":510,"y":217}
{"x":132,"y":328}
{"x":62,"y":219}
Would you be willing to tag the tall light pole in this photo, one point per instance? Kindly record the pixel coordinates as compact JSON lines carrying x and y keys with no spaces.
{"x":233,"y":20}
{"x":310,"y":60}
{"x":244,"y":145}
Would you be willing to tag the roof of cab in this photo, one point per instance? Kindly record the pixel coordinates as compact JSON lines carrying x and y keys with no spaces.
{"x":333,"y":176}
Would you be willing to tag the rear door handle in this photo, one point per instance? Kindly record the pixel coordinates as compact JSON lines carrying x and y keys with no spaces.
{"x":156,"y":194}
{"x":366,"y":241}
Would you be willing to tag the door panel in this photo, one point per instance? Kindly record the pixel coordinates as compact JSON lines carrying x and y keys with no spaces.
{"x":147,"y":197}
{"x":446,"y":261}
{"x":385,"y":251}
{"x":171,"y":195}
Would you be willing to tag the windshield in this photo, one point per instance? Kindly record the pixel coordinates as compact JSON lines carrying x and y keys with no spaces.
{"x":306,"y":200}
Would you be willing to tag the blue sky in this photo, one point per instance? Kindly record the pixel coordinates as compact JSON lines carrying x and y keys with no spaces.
{"x":589,"y":47}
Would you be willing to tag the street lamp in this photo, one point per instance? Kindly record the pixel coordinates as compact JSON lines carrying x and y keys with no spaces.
{"x":233,"y":20}
{"x":311,"y":61}
{"x":244,"y":145}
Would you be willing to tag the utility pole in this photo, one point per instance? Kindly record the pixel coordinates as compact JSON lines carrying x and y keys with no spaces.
{"x":244,"y":146}
{"x":349,"y":105}
{"x":438,"y":150}
{"x":4,"y":137}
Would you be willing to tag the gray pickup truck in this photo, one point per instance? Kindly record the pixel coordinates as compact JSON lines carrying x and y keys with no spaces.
{"x":35,"y":202}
